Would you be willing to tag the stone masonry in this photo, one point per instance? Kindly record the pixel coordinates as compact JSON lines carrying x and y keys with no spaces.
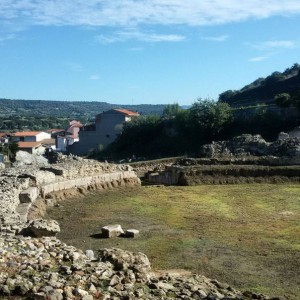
{"x":45,"y":268}
{"x":21,"y":187}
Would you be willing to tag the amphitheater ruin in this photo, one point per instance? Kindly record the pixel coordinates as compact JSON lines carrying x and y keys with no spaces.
{"x":34,"y":264}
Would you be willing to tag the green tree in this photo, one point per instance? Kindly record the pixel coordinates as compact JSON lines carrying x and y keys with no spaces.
{"x":283,"y":100}
{"x":138,"y":137}
{"x":274,"y":78}
{"x":225,"y":96}
{"x":209,"y":118}
{"x":13,"y":148}
{"x":10,"y":149}
{"x":171,"y":111}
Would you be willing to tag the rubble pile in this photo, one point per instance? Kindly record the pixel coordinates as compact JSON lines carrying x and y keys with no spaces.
{"x":248,"y":144}
{"x":243,"y":159}
{"x":82,"y":167}
{"x":46,"y":268}
{"x":27,"y":185}
{"x":36,"y":265}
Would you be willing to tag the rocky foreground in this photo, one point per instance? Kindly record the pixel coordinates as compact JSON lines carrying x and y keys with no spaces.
{"x":46,"y":268}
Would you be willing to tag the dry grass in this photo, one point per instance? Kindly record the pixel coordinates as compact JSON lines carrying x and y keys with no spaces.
{"x":245,"y":235}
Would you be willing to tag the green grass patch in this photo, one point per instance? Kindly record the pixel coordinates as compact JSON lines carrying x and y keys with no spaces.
{"x":246,"y":235}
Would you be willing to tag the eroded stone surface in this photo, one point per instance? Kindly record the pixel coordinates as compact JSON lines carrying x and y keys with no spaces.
{"x":46,"y":268}
{"x":111,"y":231}
{"x":40,"y":228}
{"x":132,"y":233}
{"x":23,"y":188}
{"x":25,"y":158}
{"x":29,"y":195}
{"x":248,"y":144}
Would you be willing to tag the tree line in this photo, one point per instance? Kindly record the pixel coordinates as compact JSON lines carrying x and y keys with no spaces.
{"x":17,"y":115}
{"x":182,"y":131}
{"x":69,"y":109}
{"x":31,"y":123}
{"x":265,"y":89}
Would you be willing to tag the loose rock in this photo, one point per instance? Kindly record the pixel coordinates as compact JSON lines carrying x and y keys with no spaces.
{"x":111,"y":231}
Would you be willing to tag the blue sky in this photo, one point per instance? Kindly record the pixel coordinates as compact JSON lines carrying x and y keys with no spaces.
{"x":142,"y":51}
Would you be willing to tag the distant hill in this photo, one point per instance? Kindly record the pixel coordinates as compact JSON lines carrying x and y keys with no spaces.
{"x":68,"y":109}
{"x":45,"y":114}
{"x":264,"y":90}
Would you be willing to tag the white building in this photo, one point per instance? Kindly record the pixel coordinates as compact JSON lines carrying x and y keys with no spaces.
{"x":31,"y":136}
{"x":32,"y":141}
{"x":68,"y":136}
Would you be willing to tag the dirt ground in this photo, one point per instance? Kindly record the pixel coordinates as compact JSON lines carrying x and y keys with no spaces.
{"x":246,"y":235}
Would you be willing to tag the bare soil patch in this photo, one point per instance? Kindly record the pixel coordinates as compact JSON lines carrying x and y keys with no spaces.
{"x":245,"y":235}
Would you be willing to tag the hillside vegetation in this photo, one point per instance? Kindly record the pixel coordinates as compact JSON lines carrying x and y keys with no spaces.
{"x":185,"y":131}
{"x":45,"y":114}
{"x":267,"y":106}
{"x":264,"y":90}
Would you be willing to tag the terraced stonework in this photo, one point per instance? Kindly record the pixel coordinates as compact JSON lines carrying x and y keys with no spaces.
{"x":46,"y":268}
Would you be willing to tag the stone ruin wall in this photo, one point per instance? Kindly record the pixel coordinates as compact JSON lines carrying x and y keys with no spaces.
{"x":244,"y":159}
{"x":22,"y":187}
{"x":127,"y":275}
{"x":226,"y":172}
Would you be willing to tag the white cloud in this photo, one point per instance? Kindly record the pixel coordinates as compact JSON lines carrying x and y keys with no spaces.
{"x":7,"y":37}
{"x":94,"y":77}
{"x":135,"y":34}
{"x":108,"y":39}
{"x":142,"y":12}
{"x":221,"y":38}
{"x":276,"y":44}
{"x":136,"y":49}
{"x":258,"y":58}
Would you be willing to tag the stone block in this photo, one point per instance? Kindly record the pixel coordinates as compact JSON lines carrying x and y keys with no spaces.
{"x":61,"y":185}
{"x":78,"y":182}
{"x":46,"y":189}
{"x":69,"y":184}
{"x":44,"y":177}
{"x":111,"y":231}
{"x":132,"y":233}
{"x":40,"y":228}
{"x":89,"y":180}
{"x":29,"y":195}
{"x":22,"y":210}
{"x":90,"y":254}
{"x":56,"y":186}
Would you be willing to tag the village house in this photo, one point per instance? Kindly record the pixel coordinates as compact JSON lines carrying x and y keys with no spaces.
{"x":68,"y":136}
{"x":34,"y":142}
{"x":97,"y":136}
{"x":30,"y":136}
{"x":32,"y":147}
{"x":55,"y":131}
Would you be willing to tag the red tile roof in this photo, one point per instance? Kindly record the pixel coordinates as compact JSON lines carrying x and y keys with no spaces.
{"x":48,"y":141}
{"x":28,"y":144}
{"x":127,"y":112}
{"x":27,"y":133}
